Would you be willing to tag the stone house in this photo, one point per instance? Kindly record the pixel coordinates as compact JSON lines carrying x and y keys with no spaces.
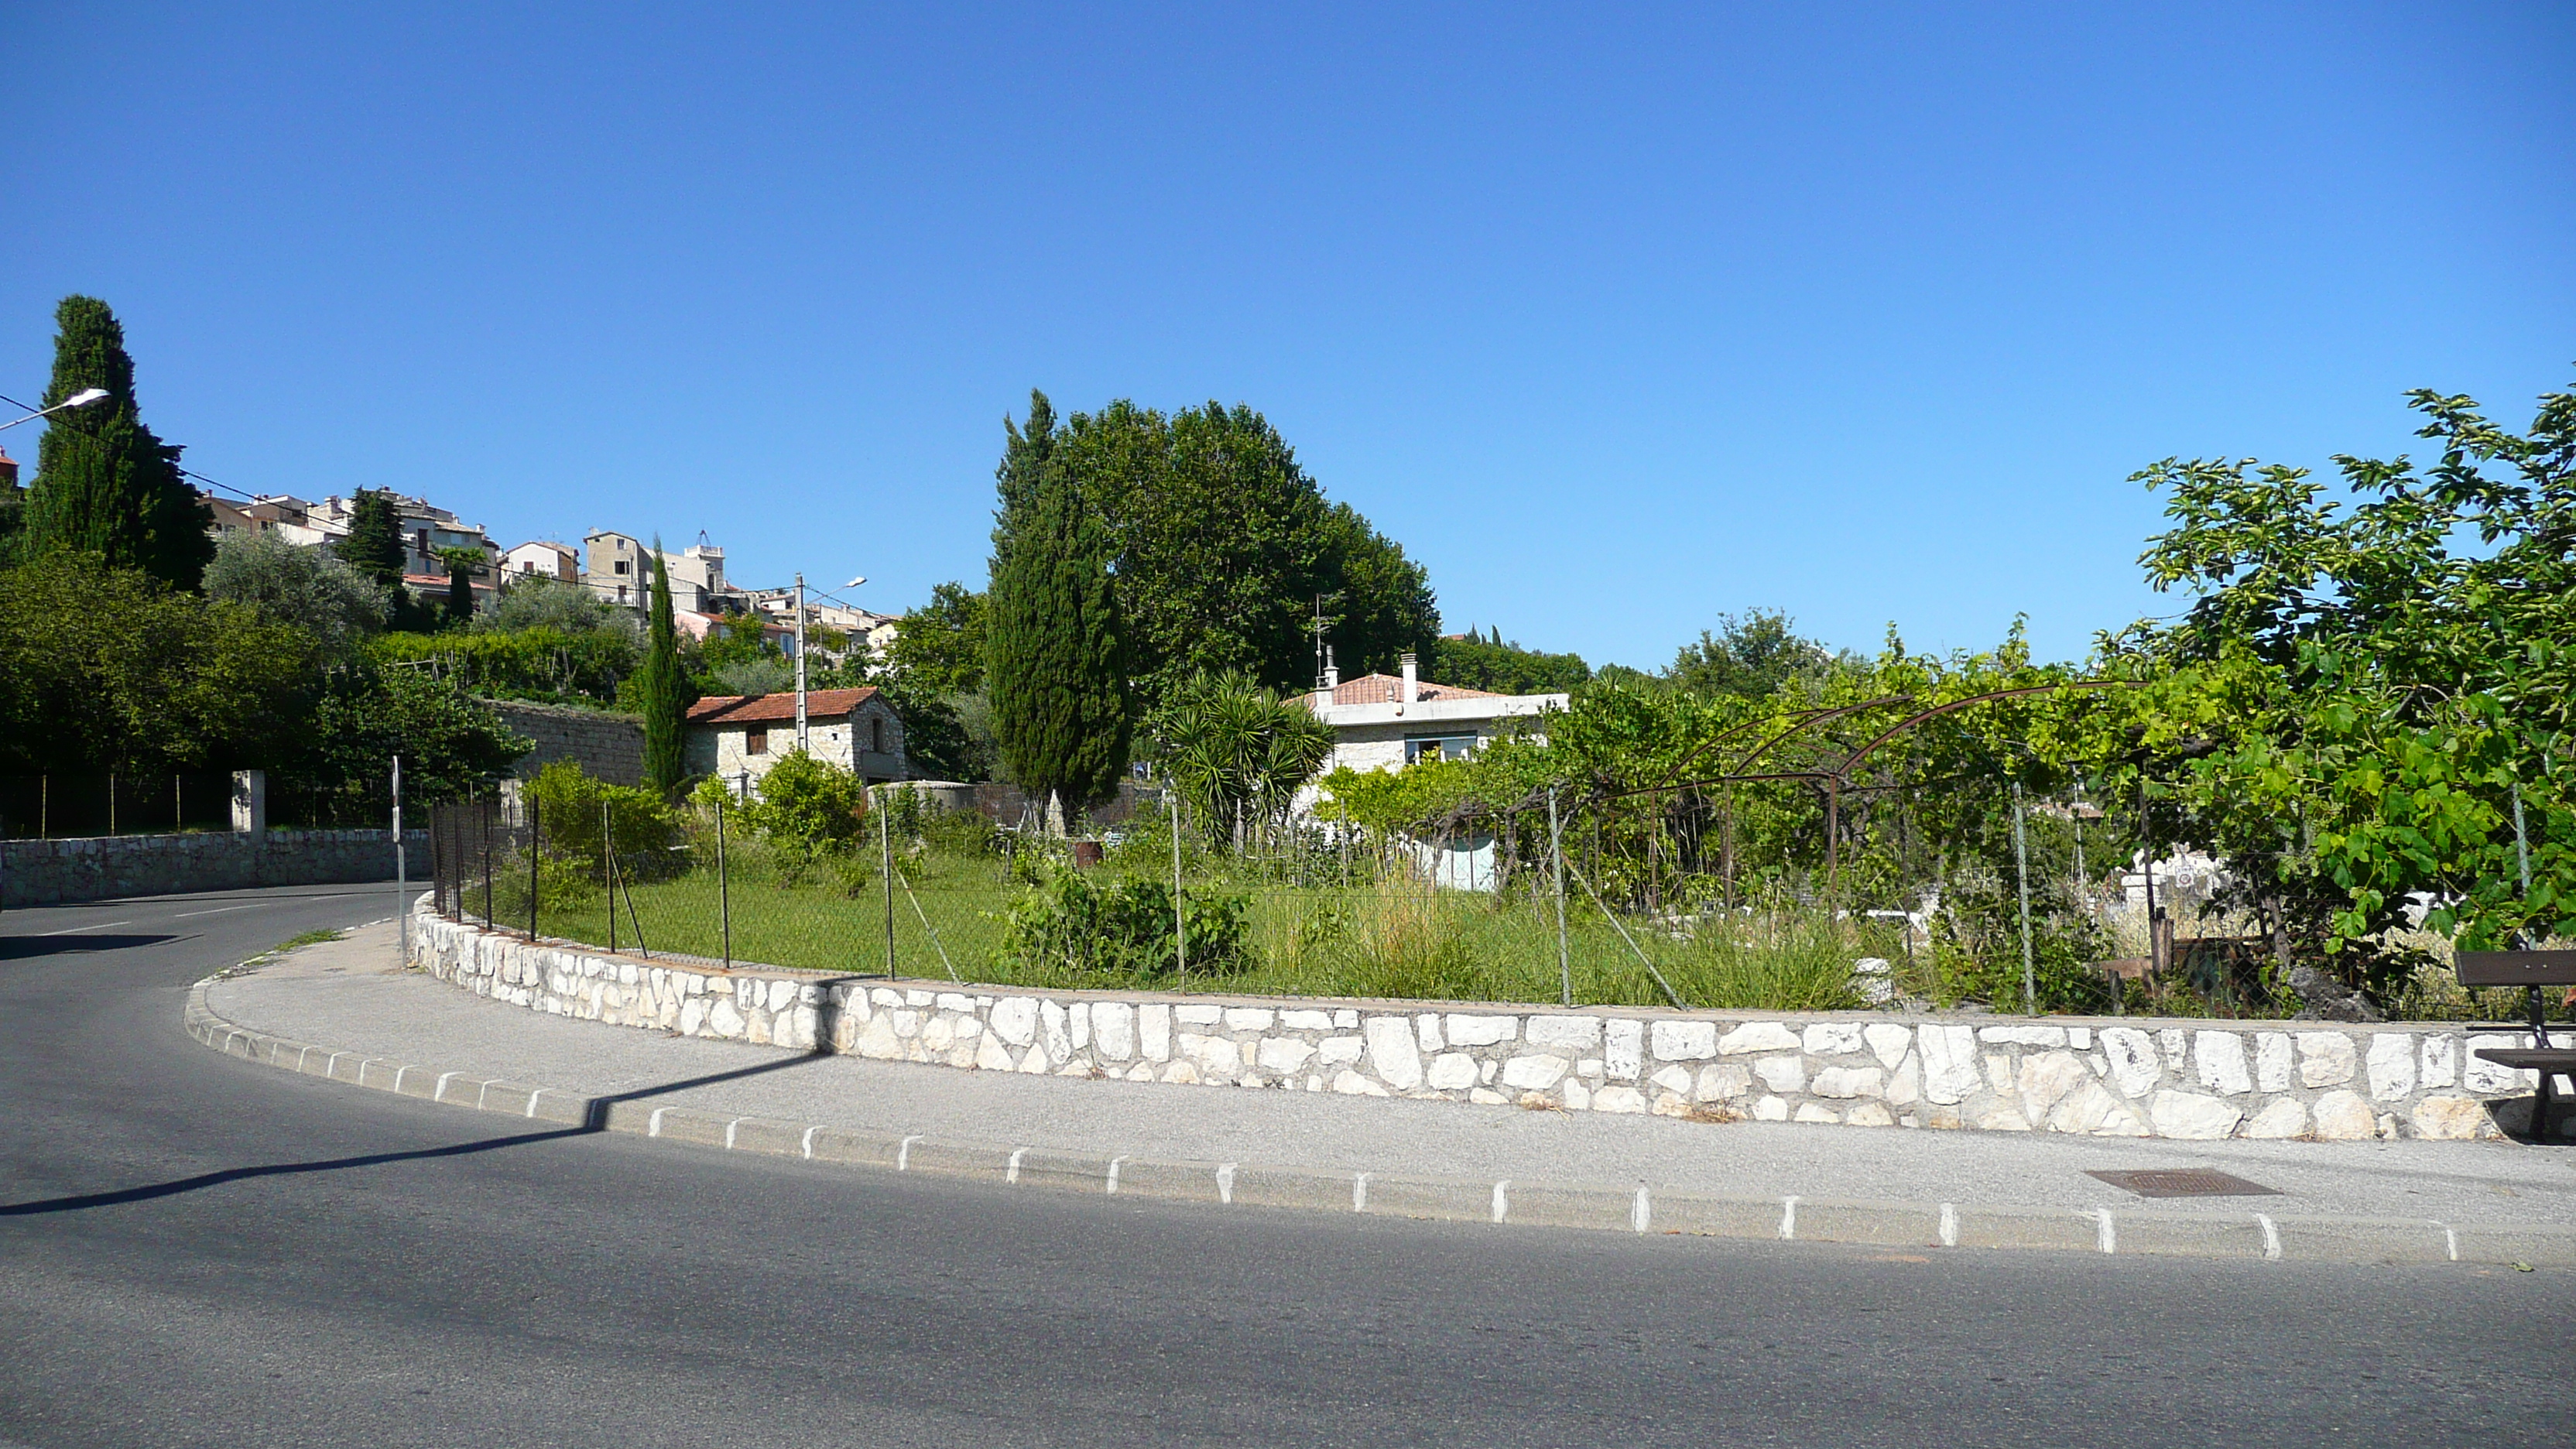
{"x":738,"y":737}
{"x":540,"y":559}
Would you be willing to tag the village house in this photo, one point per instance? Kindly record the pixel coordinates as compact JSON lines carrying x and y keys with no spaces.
{"x":1386,"y":722}
{"x":737,"y":738}
{"x":542,"y":560}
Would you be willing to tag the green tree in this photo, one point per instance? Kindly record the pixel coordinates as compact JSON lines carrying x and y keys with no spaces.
{"x":1237,"y":752}
{"x":940,"y":645}
{"x":338,"y":771}
{"x":374,"y":547}
{"x":1223,"y":546}
{"x":107,"y":668}
{"x":105,"y":483}
{"x":1056,"y":661}
{"x":1755,"y":654}
{"x":662,"y":690}
{"x":462,"y":563}
{"x":1470,"y":662}
{"x":311,"y":588}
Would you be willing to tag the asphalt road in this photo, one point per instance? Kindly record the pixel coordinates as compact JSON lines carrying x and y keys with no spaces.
{"x":198,"y":1250}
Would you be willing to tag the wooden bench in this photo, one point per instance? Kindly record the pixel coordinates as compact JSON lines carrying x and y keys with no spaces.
{"x":2530,"y":970}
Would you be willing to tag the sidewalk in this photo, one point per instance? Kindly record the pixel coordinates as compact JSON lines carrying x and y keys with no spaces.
{"x":351,"y":995}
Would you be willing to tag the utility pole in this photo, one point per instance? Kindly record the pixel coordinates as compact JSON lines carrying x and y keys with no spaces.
{"x":402,"y":885}
{"x":800,"y":669}
{"x":1556,"y":855}
{"x":2021,"y":881}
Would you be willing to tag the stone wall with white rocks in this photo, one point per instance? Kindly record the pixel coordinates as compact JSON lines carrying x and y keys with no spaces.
{"x":2106,"y":1077}
{"x":60,"y":871}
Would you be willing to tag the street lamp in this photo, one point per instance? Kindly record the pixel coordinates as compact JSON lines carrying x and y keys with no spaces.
{"x":800,"y":646}
{"x":81,"y":399}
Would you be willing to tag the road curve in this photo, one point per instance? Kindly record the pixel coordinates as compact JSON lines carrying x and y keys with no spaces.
{"x":198,"y":1250}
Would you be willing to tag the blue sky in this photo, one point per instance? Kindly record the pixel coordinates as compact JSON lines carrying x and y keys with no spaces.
{"x":1617,"y":318}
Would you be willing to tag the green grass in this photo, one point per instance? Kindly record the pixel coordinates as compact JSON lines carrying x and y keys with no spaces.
{"x":1394,"y":938}
{"x":308,"y":938}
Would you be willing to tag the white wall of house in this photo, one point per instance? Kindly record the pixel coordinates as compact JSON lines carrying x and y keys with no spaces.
{"x":869,"y":743}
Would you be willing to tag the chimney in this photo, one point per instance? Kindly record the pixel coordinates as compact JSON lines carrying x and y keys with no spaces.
{"x":1332,"y":671}
{"x":1412,"y":682}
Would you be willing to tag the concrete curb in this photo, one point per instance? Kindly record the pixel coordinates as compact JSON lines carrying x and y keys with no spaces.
{"x":1638,"y":1208}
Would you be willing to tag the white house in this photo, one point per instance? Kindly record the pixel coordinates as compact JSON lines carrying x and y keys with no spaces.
{"x":738,"y":737}
{"x":1386,"y":722}
{"x":560,"y":562}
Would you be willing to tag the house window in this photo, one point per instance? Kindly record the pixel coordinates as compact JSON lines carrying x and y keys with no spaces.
{"x":876,"y":735}
{"x":1437,"y":747}
{"x":621,"y":566}
{"x":755,"y":742}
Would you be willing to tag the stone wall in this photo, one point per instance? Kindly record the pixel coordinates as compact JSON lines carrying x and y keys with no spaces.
{"x":56,"y":872}
{"x":607,"y":746}
{"x":2103,"y":1078}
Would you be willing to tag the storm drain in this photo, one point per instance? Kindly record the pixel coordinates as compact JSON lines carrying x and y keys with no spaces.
{"x":2184,"y":1182}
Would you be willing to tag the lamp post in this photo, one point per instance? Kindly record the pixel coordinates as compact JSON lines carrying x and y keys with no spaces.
{"x":86,"y":397}
{"x":799,"y":587}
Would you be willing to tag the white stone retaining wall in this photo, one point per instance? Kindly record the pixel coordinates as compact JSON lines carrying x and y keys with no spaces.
{"x":2103,"y":1077}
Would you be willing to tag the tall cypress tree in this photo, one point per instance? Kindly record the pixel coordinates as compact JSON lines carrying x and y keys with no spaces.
{"x":461,"y":563}
{"x":105,"y":483}
{"x":374,"y":547}
{"x":662,"y":689}
{"x":1056,"y":661}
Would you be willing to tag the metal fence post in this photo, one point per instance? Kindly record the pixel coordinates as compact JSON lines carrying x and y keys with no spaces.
{"x":536,"y":833}
{"x":885,"y":846}
{"x":1556,"y":854}
{"x":402,"y":886}
{"x":2021,"y":880}
{"x":608,"y":871}
{"x":724,"y":888}
{"x":1180,"y":927}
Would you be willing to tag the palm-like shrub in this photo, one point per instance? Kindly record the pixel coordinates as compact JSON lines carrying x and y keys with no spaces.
{"x":1238,"y":752}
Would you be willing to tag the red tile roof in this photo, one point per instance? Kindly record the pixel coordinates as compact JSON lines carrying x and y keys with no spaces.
{"x":1387,"y":689}
{"x":764,"y":708}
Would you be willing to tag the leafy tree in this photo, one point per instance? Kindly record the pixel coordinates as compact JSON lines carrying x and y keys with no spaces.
{"x":811,"y":805}
{"x":106,"y":668}
{"x":940,"y":645}
{"x":591,"y":667}
{"x":1057,"y":660}
{"x":105,"y":483}
{"x":1470,"y":662}
{"x":1755,"y":654}
{"x":1223,"y":547}
{"x":2356,"y":694}
{"x":663,"y":694}
{"x":338,"y":770}
{"x":639,"y":823}
{"x":534,"y":601}
{"x":311,"y":588}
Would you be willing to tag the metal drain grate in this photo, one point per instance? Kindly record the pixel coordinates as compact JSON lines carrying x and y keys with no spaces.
{"x":2184,"y":1182}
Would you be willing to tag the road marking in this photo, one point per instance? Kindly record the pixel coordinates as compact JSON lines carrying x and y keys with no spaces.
{"x":1949,"y":1225}
{"x":1225,"y":1183}
{"x":903,"y":1154}
{"x":1359,"y":1193}
{"x":729,"y":1126}
{"x":809,"y":1138}
{"x":533,"y":1095}
{"x":2451,"y":1236}
{"x":76,"y":930}
{"x":1012,"y":1173}
{"x":1113,"y":1175}
{"x":2106,"y":1236}
{"x":2271,"y":1238}
{"x":1642,"y":1215}
{"x":1502,"y":1204}
{"x":439,"y":1092}
{"x":654,"y":1127}
{"x":1788,"y":1220}
{"x":219,"y":910}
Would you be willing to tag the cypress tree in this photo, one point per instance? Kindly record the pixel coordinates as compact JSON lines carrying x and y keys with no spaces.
{"x":662,"y":689}
{"x":374,"y":547}
{"x":105,"y":483}
{"x":1056,"y":661}
{"x":460,"y":584}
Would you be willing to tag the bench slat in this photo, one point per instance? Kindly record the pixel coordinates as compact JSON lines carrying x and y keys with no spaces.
{"x":2531,"y":1059}
{"x":2516,"y":968}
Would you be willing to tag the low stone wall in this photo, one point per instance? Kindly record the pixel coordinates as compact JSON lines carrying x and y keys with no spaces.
{"x":607,"y":746}
{"x":58,"y":872}
{"x":2103,"y":1078}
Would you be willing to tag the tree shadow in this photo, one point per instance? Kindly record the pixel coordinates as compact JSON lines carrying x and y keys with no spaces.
{"x":29,"y":948}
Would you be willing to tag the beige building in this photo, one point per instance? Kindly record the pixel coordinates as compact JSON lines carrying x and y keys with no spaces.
{"x":619,"y":568}
{"x":540,"y":560}
{"x":1389,"y":721}
{"x":738,"y":737}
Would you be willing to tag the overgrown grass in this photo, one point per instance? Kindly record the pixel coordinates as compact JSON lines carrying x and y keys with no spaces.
{"x":1393,"y":937}
{"x":307,"y":938}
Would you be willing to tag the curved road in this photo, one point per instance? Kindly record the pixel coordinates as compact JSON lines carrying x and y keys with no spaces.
{"x":198,"y":1250}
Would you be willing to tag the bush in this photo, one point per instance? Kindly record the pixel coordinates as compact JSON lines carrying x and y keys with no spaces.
{"x":1123,"y":928}
{"x":806,"y":805}
{"x":570,"y":808}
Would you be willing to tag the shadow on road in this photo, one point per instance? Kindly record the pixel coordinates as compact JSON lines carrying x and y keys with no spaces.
{"x":28,"y":948}
{"x":594,"y":1119}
